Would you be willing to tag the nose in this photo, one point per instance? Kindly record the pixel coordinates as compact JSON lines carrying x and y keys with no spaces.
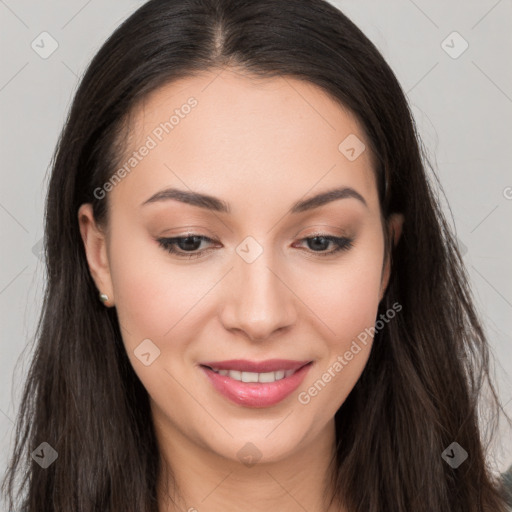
{"x":258,"y":302}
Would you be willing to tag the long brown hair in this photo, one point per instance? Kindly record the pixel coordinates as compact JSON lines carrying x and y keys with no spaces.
{"x":421,"y":389}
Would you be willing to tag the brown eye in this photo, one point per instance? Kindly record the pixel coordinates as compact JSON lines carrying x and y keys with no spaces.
{"x":318,"y":244}
{"x":185,"y":246}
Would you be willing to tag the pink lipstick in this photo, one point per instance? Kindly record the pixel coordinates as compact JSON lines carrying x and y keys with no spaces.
{"x":256,"y":383}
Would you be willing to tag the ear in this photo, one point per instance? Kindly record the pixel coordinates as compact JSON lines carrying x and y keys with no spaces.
{"x":95,"y":245}
{"x":394,"y":227}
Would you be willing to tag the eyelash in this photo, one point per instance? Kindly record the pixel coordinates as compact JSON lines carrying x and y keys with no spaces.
{"x":168,"y":244}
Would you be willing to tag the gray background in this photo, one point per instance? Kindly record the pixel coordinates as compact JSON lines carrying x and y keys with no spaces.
{"x":462,"y":105}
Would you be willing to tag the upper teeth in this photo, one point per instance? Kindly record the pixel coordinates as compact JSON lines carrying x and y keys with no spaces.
{"x":255,"y":377}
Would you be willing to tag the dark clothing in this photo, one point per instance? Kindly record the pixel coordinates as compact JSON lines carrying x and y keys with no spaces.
{"x":506,"y":478}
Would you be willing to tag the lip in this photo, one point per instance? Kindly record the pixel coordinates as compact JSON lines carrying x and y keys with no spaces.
{"x":243,"y":365}
{"x":252,"y":394}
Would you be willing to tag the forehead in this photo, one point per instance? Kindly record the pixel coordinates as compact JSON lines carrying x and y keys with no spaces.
{"x":228,"y":132}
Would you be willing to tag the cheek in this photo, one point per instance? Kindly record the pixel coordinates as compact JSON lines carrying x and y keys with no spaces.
{"x":151,"y":295}
{"x":346,"y":295}
{"x":350,"y":315}
{"x":346,"y":300}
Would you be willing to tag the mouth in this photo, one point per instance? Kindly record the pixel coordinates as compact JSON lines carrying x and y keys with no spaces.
{"x":256,"y":384}
{"x":254,"y":376}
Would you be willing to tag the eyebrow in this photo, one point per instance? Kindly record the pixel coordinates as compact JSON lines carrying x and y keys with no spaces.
{"x":218,"y":205}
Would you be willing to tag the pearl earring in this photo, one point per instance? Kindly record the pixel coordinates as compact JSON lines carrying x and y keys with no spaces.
{"x":103,"y":297}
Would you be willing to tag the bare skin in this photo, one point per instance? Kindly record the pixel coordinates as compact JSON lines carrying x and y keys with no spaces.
{"x":261,"y":146}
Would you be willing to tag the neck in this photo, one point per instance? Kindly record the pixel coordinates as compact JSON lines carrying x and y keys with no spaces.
{"x":195,"y":479}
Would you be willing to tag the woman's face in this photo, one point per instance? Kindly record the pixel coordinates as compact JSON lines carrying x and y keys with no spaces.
{"x":251,"y":288}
